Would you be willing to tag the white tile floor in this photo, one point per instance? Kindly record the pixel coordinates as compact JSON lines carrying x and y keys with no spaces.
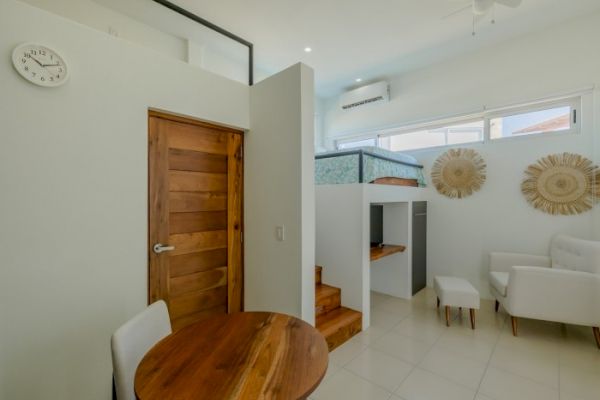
{"x":409,"y":354}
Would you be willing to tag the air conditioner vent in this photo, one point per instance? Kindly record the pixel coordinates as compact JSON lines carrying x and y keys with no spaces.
{"x":370,"y":94}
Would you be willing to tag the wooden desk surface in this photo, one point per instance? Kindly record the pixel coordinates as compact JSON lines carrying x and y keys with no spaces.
{"x":250,"y":355}
{"x":385,"y":250}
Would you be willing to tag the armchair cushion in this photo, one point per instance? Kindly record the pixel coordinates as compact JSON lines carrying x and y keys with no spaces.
{"x":499,"y":281}
{"x":503,"y":262}
{"x":575,"y":254}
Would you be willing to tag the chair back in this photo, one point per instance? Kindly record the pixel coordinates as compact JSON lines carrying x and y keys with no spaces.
{"x":575,"y":254}
{"x":132,"y":341}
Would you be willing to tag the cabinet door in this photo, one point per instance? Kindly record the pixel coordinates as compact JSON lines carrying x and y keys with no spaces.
{"x":419,"y":246}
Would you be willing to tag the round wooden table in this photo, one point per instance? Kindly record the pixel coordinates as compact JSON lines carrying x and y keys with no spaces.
{"x":249,"y":355}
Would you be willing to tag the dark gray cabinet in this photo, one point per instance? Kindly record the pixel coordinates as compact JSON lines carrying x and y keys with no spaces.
{"x":419,"y":246}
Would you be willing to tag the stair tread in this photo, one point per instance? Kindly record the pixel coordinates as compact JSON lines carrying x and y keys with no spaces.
{"x":322,"y":291}
{"x":330,"y":322}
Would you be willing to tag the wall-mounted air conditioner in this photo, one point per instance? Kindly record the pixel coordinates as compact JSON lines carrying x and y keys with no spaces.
{"x":369,"y":94}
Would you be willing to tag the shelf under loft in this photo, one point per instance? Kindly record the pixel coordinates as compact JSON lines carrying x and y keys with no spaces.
{"x":378,"y":252}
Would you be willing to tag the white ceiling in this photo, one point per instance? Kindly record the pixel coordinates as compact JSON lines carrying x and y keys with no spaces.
{"x":371,"y":39}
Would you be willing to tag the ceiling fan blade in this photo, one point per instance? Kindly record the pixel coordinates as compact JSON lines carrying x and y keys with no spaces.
{"x":510,"y":3}
{"x":481,"y":7}
{"x":453,"y":13}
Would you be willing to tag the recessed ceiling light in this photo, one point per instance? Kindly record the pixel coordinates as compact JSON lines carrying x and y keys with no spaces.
{"x":358,"y":80}
{"x":307,"y":49}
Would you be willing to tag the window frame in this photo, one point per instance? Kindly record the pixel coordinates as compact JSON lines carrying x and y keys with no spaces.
{"x":352,"y":139}
{"x":439,"y":124}
{"x":574,"y":101}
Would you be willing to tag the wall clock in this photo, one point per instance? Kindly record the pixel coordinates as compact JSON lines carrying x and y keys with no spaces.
{"x":40,"y":65}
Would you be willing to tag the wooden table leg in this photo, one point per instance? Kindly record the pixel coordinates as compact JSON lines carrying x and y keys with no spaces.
{"x":597,"y":335}
{"x":515,"y":325}
{"x":438,"y":302}
{"x":497,"y":305}
{"x":447,"y":315}
{"x":472,"y":313}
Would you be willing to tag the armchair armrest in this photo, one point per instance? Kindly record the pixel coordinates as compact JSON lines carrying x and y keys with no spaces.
{"x":503,"y":262}
{"x":554,"y":295}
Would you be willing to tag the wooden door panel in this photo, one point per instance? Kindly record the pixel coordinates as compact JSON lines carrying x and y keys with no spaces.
{"x":234,"y":206}
{"x":196,"y":302}
{"x":185,"y":320}
{"x":199,"y":281}
{"x":197,"y":221}
{"x":197,"y":201}
{"x":196,"y":183}
{"x":198,"y":161}
{"x":187,"y":181}
{"x":197,"y":262}
{"x":198,"y":241}
{"x":197,"y":138}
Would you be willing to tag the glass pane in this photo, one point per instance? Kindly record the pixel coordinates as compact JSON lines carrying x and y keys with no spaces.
{"x":417,"y":140}
{"x":466,"y":133}
{"x":551,"y":120}
{"x":453,"y":134}
{"x":357,"y":143}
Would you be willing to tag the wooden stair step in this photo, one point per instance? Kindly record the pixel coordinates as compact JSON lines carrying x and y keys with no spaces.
{"x":318,"y":275}
{"x":339,"y":325}
{"x":327,"y":298}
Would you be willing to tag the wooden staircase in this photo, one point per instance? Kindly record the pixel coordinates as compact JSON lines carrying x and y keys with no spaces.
{"x":336,"y":323}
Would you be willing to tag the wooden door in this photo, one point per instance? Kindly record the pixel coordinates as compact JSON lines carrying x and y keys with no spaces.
{"x":195,"y":213}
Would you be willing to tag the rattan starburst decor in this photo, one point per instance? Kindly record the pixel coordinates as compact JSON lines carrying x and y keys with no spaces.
{"x":563,"y":184}
{"x":458,"y":173}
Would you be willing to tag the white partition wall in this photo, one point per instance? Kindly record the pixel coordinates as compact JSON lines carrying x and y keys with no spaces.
{"x":279,"y":195}
{"x":393,"y":274}
{"x":343,"y":241}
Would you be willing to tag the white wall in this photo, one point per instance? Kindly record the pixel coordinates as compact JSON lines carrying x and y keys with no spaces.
{"x":279,"y":191}
{"x":104,"y":19}
{"x":73,"y":215}
{"x":462,"y":232}
{"x":393,"y":274}
{"x":342,"y":243}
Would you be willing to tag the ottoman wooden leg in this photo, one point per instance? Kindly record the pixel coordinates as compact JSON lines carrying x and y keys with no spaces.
{"x":438,"y":302}
{"x":447,"y":315}
{"x":515,"y":325}
{"x":472,"y":314}
{"x":597,"y":335}
{"x":497,"y":305}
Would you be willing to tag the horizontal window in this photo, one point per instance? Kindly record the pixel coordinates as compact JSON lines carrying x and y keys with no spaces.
{"x":555,"y":119}
{"x":542,"y":118}
{"x":354,"y":143}
{"x":467,"y":132}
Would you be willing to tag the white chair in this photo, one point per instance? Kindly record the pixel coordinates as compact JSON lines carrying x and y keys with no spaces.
{"x":132,"y":341}
{"x":564,"y":287}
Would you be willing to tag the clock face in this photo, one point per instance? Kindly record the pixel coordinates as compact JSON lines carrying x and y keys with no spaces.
{"x":40,"y":65}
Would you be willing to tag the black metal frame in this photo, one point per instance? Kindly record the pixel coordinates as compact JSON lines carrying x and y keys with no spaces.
{"x":218,"y":29}
{"x":361,"y":154}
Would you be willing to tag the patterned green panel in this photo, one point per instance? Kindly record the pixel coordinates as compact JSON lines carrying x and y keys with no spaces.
{"x":377,"y":168}
{"x":344,"y":169}
{"x":336,"y":170}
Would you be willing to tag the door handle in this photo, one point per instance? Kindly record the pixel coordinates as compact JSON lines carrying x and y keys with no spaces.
{"x":159,"y":248}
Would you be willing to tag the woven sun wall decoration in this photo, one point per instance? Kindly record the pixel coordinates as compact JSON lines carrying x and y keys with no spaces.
{"x":562,"y":184}
{"x":458,"y":173}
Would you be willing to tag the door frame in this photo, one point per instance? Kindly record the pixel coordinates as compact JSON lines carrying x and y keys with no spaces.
{"x":235,"y":221}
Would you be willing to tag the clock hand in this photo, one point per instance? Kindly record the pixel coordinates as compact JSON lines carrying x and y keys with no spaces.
{"x":36,"y":60}
{"x":45,"y":65}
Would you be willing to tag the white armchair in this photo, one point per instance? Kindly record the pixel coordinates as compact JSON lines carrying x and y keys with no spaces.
{"x":564,"y":287}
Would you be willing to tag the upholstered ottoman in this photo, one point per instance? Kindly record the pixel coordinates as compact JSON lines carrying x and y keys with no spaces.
{"x":456,"y":292}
